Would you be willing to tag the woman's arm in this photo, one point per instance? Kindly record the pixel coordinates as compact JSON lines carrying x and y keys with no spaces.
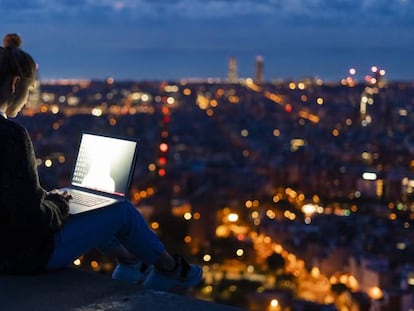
{"x":28,"y":204}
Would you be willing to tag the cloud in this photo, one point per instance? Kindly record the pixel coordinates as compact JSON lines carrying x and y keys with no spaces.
{"x":212,"y":24}
{"x":341,"y":10}
{"x":69,"y":31}
{"x":286,"y":9}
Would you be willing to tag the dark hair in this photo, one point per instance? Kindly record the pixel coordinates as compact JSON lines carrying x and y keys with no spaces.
{"x":14,"y":61}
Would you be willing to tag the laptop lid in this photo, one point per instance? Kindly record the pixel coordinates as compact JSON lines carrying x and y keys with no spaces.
{"x":104,"y":164}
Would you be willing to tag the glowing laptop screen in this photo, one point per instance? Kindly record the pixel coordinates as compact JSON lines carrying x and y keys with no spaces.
{"x":105,"y":164}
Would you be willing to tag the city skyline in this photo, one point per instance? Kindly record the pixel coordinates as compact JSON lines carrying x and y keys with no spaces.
{"x":284,"y":191}
{"x":153,"y":40}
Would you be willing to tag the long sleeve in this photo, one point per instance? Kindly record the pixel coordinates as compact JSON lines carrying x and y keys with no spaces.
{"x":26,"y":203}
{"x":28,"y":215}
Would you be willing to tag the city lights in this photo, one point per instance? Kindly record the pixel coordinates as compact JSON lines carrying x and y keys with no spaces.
{"x":163,"y":147}
{"x":375,"y":293}
{"x":97,"y":112}
{"x":261,"y":184}
{"x":233,"y":217}
{"x":369,"y":176}
{"x":274,"y":303}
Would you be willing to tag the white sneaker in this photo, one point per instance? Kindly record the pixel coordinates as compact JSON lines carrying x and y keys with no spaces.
{"x":135,"y":273}
{"x":183,"y":276}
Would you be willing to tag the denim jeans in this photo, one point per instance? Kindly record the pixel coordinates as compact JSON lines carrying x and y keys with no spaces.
{"x":105,"y":229}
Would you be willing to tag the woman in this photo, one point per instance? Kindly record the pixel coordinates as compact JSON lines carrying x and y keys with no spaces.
{"x":36,"y":232}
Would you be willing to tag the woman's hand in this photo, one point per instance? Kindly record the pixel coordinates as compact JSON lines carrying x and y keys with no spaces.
{"x":65,"y":194}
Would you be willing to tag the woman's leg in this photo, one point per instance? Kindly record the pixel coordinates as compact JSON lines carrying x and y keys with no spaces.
{"x":119,"y":230}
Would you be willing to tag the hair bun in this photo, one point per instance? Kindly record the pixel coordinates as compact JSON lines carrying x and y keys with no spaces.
{"x":12,"y":40}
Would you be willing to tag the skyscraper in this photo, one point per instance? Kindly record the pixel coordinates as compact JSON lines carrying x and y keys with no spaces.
{"x":259,"y":75}
{"x":232,"y":73}
{"x":371,"y":96}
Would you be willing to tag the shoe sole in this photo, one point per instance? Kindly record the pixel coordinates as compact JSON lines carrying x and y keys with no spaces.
{"x":182,"y":286}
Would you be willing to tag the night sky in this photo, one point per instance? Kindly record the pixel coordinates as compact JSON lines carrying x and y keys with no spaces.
{"x":178,"y":39}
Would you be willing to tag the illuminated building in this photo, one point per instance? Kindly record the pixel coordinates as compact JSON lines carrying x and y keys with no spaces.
{"x":232,"y":74}
{"x":259,"y":75}
{"x":163,"y":147}
{"x":222,"y":187}
{"x":370,"y":94}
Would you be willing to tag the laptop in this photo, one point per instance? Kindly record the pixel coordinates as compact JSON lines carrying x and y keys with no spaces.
{"x":102,"y":172}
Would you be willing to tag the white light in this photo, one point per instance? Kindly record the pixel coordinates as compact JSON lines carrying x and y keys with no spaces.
{"x":55,"y":109}
{"x":401,"y":245}
{"x":244,"y":133}
{"x":170,"y":100}
{"x":233,"y":217}
{"x":403,"y":112}
{"x":309,"y":209}
{"x":369,"y":176}
{"x":97,"y":112}
{"x":135,"y":96}
{"x":239,"y":252}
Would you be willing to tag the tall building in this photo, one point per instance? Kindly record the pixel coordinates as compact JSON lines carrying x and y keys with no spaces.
{"x":232,"y":74}
{"x":259,"y":75}
{"x":371,"y":96}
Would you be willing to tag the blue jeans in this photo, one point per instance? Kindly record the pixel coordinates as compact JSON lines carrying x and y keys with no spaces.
{"x":105,"y":229}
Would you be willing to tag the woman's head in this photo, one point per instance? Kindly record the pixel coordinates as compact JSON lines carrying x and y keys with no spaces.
{"x":17,"y":74}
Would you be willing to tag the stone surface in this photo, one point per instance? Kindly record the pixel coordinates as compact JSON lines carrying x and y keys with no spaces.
{"x":74,"y":289}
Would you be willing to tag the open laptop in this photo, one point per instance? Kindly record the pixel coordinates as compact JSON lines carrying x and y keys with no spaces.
{"x":102,"y":172}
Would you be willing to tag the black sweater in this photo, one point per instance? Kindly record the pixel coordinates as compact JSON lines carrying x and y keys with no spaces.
{"x":28,"y":215}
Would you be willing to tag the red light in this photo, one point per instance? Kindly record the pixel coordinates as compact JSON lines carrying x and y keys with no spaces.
{"x":161,"y":172}
{"x":166,"y":119}
{"x":165,"y":110}
{"x":288,"y":108}
{"x":162,"y":161}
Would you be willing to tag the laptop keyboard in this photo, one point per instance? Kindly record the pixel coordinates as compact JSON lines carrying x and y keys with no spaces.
{"x":86,"y":199}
